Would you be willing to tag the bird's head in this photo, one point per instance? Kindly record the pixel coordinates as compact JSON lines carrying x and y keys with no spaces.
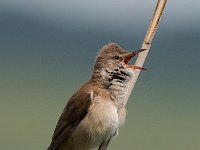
{"x":111,"y":58}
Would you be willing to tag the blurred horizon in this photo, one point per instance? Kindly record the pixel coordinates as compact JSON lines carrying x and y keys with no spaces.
{"x":47,"y":51}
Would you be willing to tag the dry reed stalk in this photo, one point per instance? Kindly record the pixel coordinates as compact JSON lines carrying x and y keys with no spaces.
{"x":146,"y":45}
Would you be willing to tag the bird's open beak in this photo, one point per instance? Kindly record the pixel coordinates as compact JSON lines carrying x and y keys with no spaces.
{"x":130,"y":55}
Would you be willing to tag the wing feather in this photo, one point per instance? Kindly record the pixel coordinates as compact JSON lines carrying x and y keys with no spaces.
{"x":75,"y":110}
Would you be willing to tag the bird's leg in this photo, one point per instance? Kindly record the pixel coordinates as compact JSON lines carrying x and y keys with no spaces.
{"x":104,"y":144}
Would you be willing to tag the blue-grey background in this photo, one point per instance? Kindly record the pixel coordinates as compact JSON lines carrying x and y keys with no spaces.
{"x":47,"y":49}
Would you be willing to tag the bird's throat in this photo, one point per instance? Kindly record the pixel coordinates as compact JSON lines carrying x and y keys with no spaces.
{"x":118,"y":84}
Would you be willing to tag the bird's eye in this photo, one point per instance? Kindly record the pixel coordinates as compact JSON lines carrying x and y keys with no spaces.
{"x":117,"y":57}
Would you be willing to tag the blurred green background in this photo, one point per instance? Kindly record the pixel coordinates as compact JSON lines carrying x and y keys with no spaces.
{"x":47,"y":50}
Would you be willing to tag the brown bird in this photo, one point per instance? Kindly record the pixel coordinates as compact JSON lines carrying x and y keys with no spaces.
{"x":94,"y":114}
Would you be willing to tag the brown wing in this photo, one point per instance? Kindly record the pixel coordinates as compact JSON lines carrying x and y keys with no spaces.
{"x":75,"y":110}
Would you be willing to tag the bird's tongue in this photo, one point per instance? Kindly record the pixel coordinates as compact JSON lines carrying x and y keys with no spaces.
{"x":126,"y":65}
{"x":132,"y":66}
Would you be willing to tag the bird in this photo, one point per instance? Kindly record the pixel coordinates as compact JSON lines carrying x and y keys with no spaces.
{"x":95,"y":113}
